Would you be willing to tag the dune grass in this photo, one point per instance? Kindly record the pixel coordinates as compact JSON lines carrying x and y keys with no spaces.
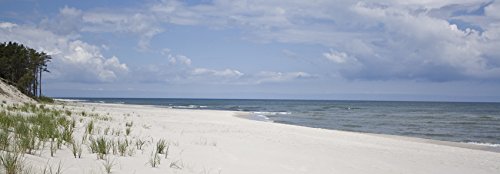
{"x":108,"y":165}
{"x":26,"y":128}
{"x":155,"y":159}
{"x":161,"y":146}
{"x":12,"y":162}
{"x":33,"y":128}
{"x":49,"y":169}
{"x":128,"y":130}
{"x":101,"y":146}
{"x":139,"y":143}
{"x":90,"y":127}
{"x":122,"y":147}
{"x":30,"y":126}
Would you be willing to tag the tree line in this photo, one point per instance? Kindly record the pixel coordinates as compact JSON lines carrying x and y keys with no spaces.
{"x":22,"y":67}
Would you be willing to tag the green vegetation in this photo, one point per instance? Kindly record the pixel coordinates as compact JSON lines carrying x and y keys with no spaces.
{"x":90,"y":127}
{"x":101,"y":146}
{"x":22,"y":67}
{"x":155,"y":159}
{"x":76,"y":149}
{"x":33,"y":125}
{"x":36,"y":129}
{"x":45,"y":99}
{"x":161,"y":146}
{"x":129,"y":124}
{"x":128,"y":130}
{"x":122,"y":147}
{"x":25,"y":129}
{"x":177,"y":164}
{"x":108,"y":165}
{"x":49,"y":170}
{"x":139,"y":143}
{"x":12,"y":162}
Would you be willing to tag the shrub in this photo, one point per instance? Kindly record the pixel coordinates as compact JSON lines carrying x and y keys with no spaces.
{"x":45,"y":99}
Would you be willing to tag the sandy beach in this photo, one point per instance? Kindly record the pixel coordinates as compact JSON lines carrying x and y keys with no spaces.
{"x":249,"y":87}
{"x":206,"y":141}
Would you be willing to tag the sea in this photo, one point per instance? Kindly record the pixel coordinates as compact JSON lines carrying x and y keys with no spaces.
{"x":467,"y":122}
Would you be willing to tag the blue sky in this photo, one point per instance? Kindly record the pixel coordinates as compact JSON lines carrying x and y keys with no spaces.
{"x":295,"y":49}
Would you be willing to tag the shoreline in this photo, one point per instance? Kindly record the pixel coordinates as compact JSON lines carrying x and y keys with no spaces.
{"x":248,"y":115}
{"x":219,"y":142}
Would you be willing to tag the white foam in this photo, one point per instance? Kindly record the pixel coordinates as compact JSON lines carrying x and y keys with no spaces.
{"x":263,"y":118}
{"x":272,"y":113}
{"x":69,"y":100}
{"x":186,"y":107}
{"x":484,"y":144}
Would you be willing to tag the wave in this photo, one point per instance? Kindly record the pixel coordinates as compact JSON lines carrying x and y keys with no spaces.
{"x":259,"y":117}
{"x":272,"y":113}
{"x":484,"y":144}
{"x":70,"y":100}
{"x":189,"y":106}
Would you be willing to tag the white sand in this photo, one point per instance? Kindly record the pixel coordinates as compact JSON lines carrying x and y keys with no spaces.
{"x":9,"y":94}
{"x":218,"y":142}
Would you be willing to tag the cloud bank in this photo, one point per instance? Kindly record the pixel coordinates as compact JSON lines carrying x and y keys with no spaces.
{"x":384,"y":40}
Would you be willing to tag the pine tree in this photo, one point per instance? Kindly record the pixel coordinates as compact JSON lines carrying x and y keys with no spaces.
{"x":23,"y":66}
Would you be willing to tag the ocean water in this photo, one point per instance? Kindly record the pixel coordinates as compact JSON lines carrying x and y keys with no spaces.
{"x":477,"y":123}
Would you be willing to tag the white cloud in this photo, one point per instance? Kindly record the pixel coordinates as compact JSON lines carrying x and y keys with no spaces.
{"x":178,"y":69}
{"x":493,"y":10}
{"x":74,"y":21}
{"x":143,"y":25}
{"x":388,"y":39}
{"x":179,"y":59}
{"x":337,"y":57}
{"x":225,"y":74}
{"x":73,"y":60}
{"x":270,"y":77}
{"x":428,"y":47}
{"x":7,"y":25}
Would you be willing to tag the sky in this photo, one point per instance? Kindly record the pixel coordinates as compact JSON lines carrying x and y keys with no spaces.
{"x":446,"y":50}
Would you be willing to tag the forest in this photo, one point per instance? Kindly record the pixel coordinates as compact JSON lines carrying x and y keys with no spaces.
{"x":22,"y":67}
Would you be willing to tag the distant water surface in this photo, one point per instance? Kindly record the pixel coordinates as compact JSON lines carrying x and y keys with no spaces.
{"x":477,"y":123}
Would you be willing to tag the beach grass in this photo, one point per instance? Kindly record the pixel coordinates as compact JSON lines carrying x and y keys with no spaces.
{"x":27,"y":127}
{"x":108,"y":165}
{"x":161,"y":146}
{"x":154,"y":159}
{"x":139,"y":143}
{"x":12,"y":162}
{"x":122,"y":147}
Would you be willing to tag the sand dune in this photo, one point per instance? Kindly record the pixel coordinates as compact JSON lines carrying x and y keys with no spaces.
{"x":10,"y":94}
